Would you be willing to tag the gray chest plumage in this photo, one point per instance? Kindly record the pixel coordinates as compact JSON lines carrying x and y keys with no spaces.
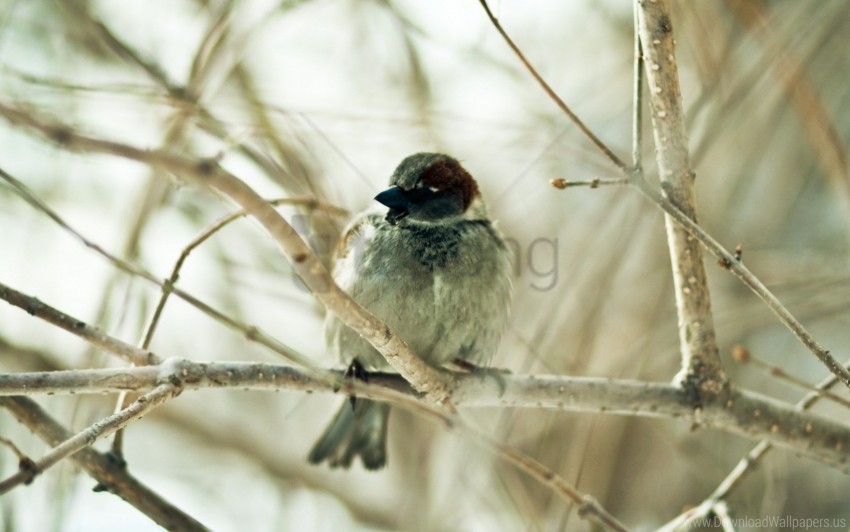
{"x":444,"y":289}
{"x":437,"y":249}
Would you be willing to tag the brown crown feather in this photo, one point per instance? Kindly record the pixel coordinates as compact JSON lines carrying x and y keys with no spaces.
{"x":447,"y":174}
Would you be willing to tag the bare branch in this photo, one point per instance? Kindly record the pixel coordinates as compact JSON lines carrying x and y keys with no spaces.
{"x":22,"y":458}
{"x":180,"y":374}
{"x":93,"y":335}
{"x":740,"y":271}
{"x":637,"y":98}
{"x":743,"y":356}
{"x":551,"y":93}
{"x":728,"y":259}
{"x":250,"y":332}
{"x":588,"y":507}
{"x":202,"y":237}
{"x":561,"y":183}
{"x":88,"y":436}
{"x":207,"y":172}
{"x":744,"y":466}
{"x":701,"y":365}
{"x":168,"y":286}
{"x":110,"y":475}
{"x":740,"y":412}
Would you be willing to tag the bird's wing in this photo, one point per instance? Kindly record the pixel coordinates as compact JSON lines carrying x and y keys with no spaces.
{"x":349,"y":250}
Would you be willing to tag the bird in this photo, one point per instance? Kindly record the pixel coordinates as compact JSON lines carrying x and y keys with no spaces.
{"x":436,"y":270}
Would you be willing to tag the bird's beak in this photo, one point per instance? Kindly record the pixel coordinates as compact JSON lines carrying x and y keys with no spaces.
{"x":397,"y":201}
{"x":393,"y":197}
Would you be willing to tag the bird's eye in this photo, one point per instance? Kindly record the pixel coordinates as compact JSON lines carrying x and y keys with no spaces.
{"x":421,"y":185}
{"x":422,"y":194}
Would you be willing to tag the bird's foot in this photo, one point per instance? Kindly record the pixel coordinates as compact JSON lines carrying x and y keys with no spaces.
{"x":355,"y":370}
{"x":497,"y":374}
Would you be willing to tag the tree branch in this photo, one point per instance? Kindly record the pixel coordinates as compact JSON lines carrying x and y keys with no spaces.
{"x":551,"y":93}
{"x":91,"y":334}
{"x":433,"y":382}
{"x":110,"y":475}
{"x":731,"y":262}
{"x":178,"y":372}
{"x":744,"y":413}
{"x":637,"y":97}
{"x":250,"y":332}
{"x":208,"y":232}
{"x":727,"y":259}
{"x":701,"y":365}
{"x":87,"y":437}
{"x":743,"y":467}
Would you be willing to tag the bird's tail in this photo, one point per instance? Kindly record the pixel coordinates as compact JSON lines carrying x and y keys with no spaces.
{"x":356,"y":430}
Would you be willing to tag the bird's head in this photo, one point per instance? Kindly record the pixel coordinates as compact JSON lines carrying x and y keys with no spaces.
{"x":431,"y":188}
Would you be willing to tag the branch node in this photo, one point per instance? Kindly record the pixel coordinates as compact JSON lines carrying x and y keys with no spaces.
{"x":559,"y":182}
{"x":61,"y":135}
{"x":724,"y":263}
{"x":739,"y":251}
{"x":740,"y":354}
{"x":206,"y":167}
{"x":29,"y":468}
{"x":177,"y":372}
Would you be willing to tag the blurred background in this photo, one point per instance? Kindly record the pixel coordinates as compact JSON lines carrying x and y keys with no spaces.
{"x":322,"y":99}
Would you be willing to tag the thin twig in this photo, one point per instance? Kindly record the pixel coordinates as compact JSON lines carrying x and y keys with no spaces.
{"x":167,"y":287}
{"x":730,"y":262}
{"x":743,"y":356}
{"x":208,"y":232}
{"x":91,"y":334}
{"x":14,"y":448}
{"x":587,"y":507}
{"x":27,"y":302}
{"x":156,"y":189}
{"x":110,"y":475}
{"x":551,"y":93}
{"x":747,"y":277}
{"x":209,"y":45}
{"x":596,"y":182}
{"x":209,"y":173}
{"x":187,"y":98}
{"x":637,"y":98}
{"x":88,"y":436}
{"x":154,"y":71}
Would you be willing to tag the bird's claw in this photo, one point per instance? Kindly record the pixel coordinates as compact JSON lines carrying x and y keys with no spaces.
{"x":498,"y":374}
{"x":355,"y":370}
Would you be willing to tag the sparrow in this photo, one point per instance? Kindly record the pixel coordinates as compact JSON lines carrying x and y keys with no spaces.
{"x":435,"y":269}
